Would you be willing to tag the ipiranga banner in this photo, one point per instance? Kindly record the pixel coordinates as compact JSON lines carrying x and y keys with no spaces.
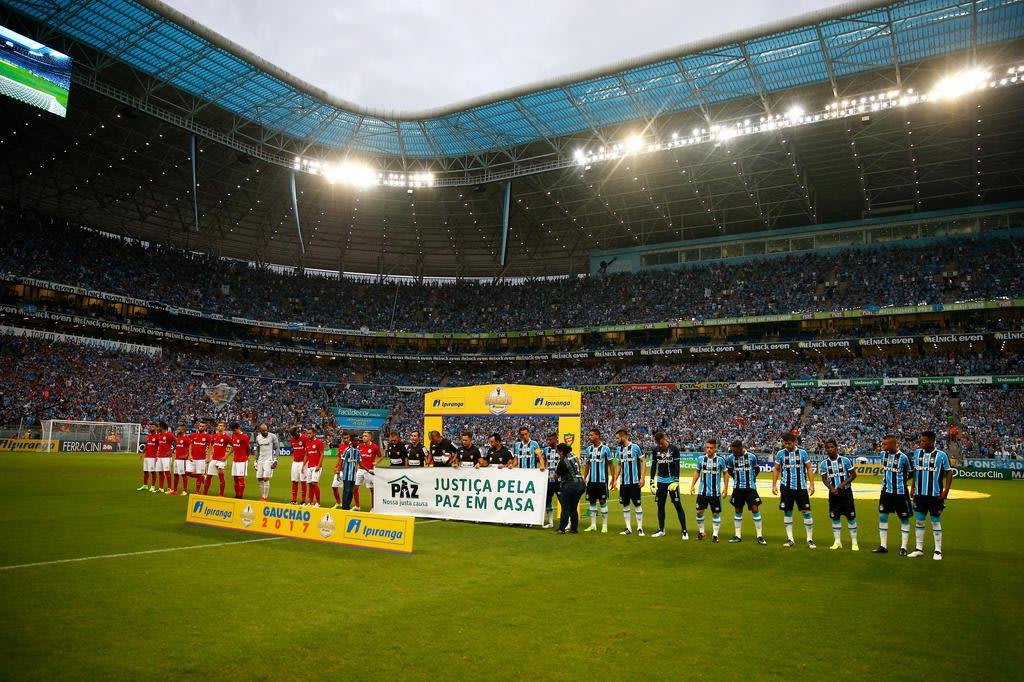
{"x":489,"y":494}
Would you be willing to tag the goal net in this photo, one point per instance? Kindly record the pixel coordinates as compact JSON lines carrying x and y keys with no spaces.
{"x":78,"y":436}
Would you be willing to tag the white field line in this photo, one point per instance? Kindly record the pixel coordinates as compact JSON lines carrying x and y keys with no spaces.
{"x":126,"y":554}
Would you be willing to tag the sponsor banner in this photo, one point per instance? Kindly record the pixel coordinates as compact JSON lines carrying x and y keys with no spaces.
{"x":1009,"y":336}
{"x":835,"y":343}
{"x":85,"y":446}
{"x":972,"y":380}
{"x":761,"y":384}
{"x":954,"y":338}
{"x":769,"y":346}
{"x":490,"y":494}
{"x":802,"y":383}
{"x":866,"y":381}
{"x":27,"y":445}
{"x":868,"y":469}
{"x":900,"y":381}
{"x":152,"y":351}
{"x":988,"y":474}
{"x":718,"y":348}
{"x":978,"y":463}
{"x":499,"y":399}
{"x":356,"y":529}
{"x":366,"y":420}
{"x":596,"y":388}
{"x":1008,"y":379}
{"x":688,"y":460}
{"x":834,"y":383}
{"x":648,"y":387}
{"x":889,"y":341}
{"x":705,"y":385}
{"x":935,"y":381}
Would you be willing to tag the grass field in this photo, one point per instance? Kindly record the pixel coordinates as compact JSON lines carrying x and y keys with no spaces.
{"x":483,"y":601}
{"x":25,"y":77}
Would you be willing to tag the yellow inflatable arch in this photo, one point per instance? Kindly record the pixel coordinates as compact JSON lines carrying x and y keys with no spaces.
{"x":512,"y":400}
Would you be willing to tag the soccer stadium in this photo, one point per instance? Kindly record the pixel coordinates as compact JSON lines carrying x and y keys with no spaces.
{"x":294,"y":387}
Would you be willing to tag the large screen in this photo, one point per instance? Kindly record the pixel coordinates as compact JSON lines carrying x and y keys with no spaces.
{"x":34,"y":73}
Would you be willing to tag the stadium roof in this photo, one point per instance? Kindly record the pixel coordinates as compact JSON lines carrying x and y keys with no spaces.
{"x":848,"y":39}
{"x":120,"y":161}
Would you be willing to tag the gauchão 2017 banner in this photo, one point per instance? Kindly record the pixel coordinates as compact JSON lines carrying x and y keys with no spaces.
{"x":490,"y":494}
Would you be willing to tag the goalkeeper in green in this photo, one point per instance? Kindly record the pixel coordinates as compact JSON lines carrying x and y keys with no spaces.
{"x":665,"y":482}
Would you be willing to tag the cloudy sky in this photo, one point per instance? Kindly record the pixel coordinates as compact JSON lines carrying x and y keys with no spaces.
{"x":416,"y":54}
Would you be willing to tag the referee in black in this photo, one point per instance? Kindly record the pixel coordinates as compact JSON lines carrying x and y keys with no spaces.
{"x":571,"y":488}
{"x":665,"y":482}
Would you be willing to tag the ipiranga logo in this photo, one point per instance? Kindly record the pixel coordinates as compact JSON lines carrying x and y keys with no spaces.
{"x":200,"y":508}
{"x":356,"y":528}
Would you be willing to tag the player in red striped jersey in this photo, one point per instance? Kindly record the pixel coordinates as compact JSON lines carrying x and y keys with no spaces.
{"x":195,"y":468}
{"x":182,"y":442}
{"x":314,"y":464}
{"x":164,"y":448}
{"x":149,"y":461}
{"x":218,"y":458}
{"x":298,"y":442}
{"x":240,"y":446}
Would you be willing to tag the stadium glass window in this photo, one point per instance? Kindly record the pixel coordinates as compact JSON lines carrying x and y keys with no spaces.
{"x":900,"y":232}
{"x":711,"y":253}
{"x":881,"y":234}
{"x":732,"y":250}
{"x":660,"y":258}
{"x":961,"y":226}
{"x":778,"y":245}
{"x":832,"y":239}
{"x":753,"y":248}
{"x":801,"y":244}
{"x":689,"y":255}
{"x":1015,"y":220}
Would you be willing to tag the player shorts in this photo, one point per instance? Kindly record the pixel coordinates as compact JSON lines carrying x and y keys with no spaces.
{"x":195,"y":466}
{"x":789,"y":497}
{"x":215,"y":466}
{"x":894,"y":503}
{"x":841,"y":504}
{"x":313,"y":475}
{"x":179,"y":467}
{"x":337,"y":481}
{"x":744,"y":497}
{"x":713,"y":501}
{"x":240,"y":468}
{"x":163,"y":464}
{"x":629,"y":493}
{"x":662,"y":493}
{"x":597,"y":491}
{"x":364,"y":477}
{"x":264,"y":468}
{"x":930,"y":504}
{"x":149,"y":464}
{"x":297,"y":469}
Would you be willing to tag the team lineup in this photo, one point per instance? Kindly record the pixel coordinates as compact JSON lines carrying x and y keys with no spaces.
{"x":912,"y":485}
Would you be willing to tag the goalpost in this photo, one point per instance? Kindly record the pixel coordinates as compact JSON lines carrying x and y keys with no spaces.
{"x":81,"y":436}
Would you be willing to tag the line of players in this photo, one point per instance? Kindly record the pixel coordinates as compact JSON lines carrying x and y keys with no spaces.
{"x":917,"y":484}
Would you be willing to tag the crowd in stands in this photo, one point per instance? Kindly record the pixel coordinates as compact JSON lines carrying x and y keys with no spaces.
{"x":44,"y":380}
{"x":897,"y":275}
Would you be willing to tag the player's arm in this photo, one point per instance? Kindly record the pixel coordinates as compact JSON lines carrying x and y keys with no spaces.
{"x":947,"y":483}
{"x":541,"y":462}
{"x":693,"y":481}
{"x":851,"y":474}
{"x":809,"y":468}
{"x":775,"y":476}
{"x":725,"y":483}
{"x":824,"y":479}
{"x":586,"y":471}
{"x":643,"y":466}
{"x":612,"y":473}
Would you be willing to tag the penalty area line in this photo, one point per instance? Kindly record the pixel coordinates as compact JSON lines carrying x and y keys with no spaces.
{"x":127,"y":554}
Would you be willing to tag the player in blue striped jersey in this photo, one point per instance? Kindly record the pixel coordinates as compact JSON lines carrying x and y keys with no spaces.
{"x":793,"y":466}
{"x":743,"y":469}
{"x":933,"y":476}
{"x":527,"y":451}
{"x":599,"y":470}
{"x":350,"y":460}
{"x":711,"y":468}
{"x":838,"y":473}
{"x":632,"y":472}
{"x":895,"y":495}
{"x":551,"y":457}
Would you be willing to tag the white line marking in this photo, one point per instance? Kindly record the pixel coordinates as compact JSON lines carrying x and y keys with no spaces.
{"x":124,"y":554}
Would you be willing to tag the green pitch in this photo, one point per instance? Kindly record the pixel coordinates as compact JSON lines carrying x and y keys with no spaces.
{"x":25,"y":77}
{"x":483,"y":601}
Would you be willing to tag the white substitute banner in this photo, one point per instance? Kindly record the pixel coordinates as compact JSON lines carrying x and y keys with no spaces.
{"x":490,"y":494}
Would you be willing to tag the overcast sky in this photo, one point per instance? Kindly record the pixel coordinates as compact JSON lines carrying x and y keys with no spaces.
{"x":409,"y":54}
